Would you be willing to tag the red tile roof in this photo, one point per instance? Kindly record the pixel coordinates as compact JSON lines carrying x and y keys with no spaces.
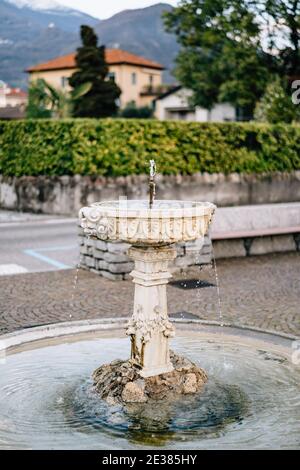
{"x":113,"y":57}
{"x":17,"y":92}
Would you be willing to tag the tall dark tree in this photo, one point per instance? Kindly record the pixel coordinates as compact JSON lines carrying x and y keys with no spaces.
{"x":102,"y":98}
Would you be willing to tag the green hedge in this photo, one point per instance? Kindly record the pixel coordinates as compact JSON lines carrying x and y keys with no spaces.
{"x":117,"y":147}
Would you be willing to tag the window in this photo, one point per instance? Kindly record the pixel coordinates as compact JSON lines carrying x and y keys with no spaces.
{"x":133,"y":78}
{"x":151,"y":80}
{"x":64,"y":82}
{"x":112,"y":76}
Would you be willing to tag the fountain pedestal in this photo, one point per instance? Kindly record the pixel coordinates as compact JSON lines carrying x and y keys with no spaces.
{"x":149,"y":327}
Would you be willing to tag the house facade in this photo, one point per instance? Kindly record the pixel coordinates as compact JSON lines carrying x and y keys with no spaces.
{"x":175,"y":105}
{"x":11,"y":97}
{"x":13,"y":102}
{"x":138,"y":78}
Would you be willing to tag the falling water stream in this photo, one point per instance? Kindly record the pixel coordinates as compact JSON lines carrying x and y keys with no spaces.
{"x":76,"y":278}
{"x":220,"y":309}
{"x":75,"y":283}
{"x":214,"y":269}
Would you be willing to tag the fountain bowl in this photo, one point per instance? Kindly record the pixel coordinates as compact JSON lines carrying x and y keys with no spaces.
{"x":132,"y":221}
{"x":47,"y":398}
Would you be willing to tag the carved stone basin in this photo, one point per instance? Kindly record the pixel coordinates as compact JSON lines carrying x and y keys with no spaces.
{"x":133,"y":222}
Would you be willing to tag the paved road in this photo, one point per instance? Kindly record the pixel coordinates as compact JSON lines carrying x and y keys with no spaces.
{"x":259,"y":291}
{"x":36,"y":243}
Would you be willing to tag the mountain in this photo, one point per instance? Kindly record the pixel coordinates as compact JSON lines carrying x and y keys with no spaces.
{"x":142,"y":32}
{"x":30,"y":34}
{"x":49,"y":12}
{"x":33,"y":31}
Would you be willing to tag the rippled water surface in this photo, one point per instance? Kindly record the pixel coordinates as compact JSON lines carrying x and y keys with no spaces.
{"x":250,"y":401}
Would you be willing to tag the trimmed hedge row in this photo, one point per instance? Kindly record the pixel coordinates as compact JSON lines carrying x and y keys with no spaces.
{"x":118,"y":147}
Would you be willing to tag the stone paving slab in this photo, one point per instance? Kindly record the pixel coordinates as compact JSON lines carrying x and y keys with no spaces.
{"x":260,"y":292}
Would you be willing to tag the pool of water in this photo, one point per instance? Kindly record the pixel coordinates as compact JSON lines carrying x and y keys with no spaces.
{"x":47,"y":400}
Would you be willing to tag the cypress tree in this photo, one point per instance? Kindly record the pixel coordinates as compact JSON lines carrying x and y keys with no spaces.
{"x":101,"y":100}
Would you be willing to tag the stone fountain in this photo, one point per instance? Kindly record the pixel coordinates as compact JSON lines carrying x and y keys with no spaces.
{"x":156,"y":397}
{"x":152,"y":228}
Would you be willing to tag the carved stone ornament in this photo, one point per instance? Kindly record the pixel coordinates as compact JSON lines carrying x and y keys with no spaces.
{"x":146,"y":327}
{"x":96,"y":224}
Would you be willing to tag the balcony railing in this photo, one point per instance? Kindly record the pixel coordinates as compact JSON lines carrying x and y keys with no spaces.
{"x":151,"y":90}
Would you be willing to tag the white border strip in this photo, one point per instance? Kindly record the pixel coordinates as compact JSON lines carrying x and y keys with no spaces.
{"x":57,"y":330}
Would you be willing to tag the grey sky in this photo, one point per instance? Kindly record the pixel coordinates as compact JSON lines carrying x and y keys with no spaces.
{"x":106,"y":8}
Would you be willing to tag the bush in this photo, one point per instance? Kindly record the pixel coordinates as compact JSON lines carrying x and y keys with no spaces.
{"x":118,"y":147}
{"x":276,"y":105}
{"x":132,"y":111}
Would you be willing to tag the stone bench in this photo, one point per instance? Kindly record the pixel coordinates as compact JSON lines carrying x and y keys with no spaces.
{"x":256,"y":230}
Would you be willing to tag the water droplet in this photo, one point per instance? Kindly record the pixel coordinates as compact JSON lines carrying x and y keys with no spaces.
{"x":75,"y":282}
{"x":214,"y":265}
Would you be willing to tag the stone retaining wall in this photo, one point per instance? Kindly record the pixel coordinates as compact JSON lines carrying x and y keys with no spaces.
{"x":110,"y":259}
{"x":64,"y":195}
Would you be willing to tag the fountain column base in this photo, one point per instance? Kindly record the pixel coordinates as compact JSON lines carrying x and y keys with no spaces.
{"x":121,"y":383}
{"x":149,"y":327}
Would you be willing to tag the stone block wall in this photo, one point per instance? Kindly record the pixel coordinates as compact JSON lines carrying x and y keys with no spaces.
{"x":110,"y":259}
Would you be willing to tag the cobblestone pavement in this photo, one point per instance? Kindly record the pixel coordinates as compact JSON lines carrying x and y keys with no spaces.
{"x":259,"y":292}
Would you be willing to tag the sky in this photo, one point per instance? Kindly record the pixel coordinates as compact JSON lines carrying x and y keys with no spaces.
{"x":105,"y":8}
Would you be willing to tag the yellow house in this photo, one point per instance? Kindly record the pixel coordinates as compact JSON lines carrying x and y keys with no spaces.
{"x":138,"y":78}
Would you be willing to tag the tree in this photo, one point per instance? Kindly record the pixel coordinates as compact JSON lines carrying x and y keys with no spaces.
{"x":39,"y":102}
{"x":230,"y":48}
{"x":276,"y":105}
{"x":280,"y":20}
{"x":101,"y":99}
{"x":45,"y":101}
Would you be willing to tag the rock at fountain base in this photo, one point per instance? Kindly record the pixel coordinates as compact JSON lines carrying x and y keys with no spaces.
{"x":120,"y":382}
